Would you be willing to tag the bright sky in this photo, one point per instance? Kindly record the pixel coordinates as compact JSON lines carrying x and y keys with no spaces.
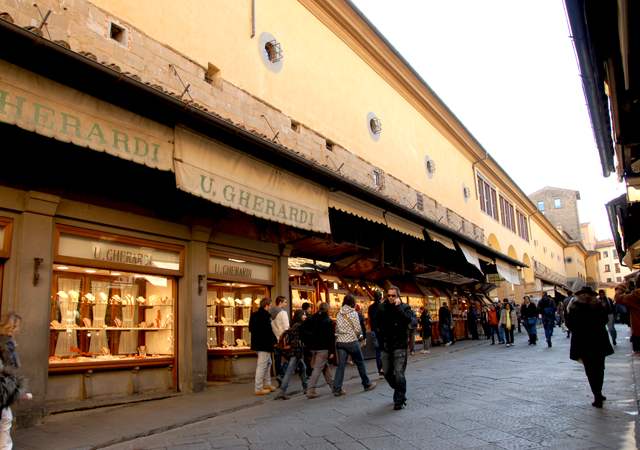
{"x":508,"y":70}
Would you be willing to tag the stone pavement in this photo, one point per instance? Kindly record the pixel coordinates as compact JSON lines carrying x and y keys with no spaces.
{"x":470,"y":395}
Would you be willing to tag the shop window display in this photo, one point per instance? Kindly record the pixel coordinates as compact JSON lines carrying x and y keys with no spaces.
{"x":105,"y":316}
{"x":229,"y":307}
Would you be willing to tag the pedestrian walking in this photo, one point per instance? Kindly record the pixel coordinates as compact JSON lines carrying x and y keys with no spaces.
{"x":611,"y":310}
{"x":518,"y":309}
{"x":627,"y":295}
{"x":262,"y":342}
{"x":500,"y":307}
{"x":565,"y":306}
{"x":444,"y":323}
{"x":493,"y":319}
{"x":529,"y":314}
{"x":587,"y":318}
{"x":11,"y":385}
{"x":279,"y":324}
{"x":508,"y":320}
{"x":349,"y":336}
{"x":547,"y":310}
{"x":472,"y":322}
{"x":372,"y":313}
{"x":292,"y":349}
{"x":318,"y":335}
{"x":425,"y":324}
{"x":394,"y":318}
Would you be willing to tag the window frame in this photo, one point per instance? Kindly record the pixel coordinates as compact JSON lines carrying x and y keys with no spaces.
{"x":508,"y":214}
{"x":607,"y":268}
{"x":523,"y":225}
{"x":538,"y":205}
{"x":557,"y":203}
{"x":488,"y":203}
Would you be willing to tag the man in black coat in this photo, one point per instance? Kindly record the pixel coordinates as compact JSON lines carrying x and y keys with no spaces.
{"x":586,"y":318}
{"x":262,"y":342}
{"x":394,"y":318}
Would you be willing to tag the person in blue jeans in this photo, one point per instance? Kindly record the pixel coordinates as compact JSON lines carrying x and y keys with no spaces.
{"x":349,"y":334}
{"x":547,"y":309}
{"x":529,"y":314}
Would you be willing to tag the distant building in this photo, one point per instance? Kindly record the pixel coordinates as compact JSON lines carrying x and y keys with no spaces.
{"x":609,"y":267}
{"x":560,"y":206}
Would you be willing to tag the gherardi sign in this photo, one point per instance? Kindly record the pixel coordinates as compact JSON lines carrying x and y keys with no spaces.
{"x":45,"y":107}
{"x":211,"y":170}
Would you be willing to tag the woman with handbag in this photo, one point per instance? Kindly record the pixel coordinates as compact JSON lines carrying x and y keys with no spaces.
{"x":349,"y":340}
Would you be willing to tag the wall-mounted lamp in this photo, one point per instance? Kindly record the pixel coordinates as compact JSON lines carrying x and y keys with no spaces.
{"x":201,"y":279}
{"x":37,"y":262}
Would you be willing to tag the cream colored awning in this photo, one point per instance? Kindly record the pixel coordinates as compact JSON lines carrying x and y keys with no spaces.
{"x":470,"y":255}
{"x":35,"y":103}
{"x":215,"y":172}
{"x":351,"y":205}
{"x":508,"y":272}
{"x":447,"y":242}
{"x":404,"y":226}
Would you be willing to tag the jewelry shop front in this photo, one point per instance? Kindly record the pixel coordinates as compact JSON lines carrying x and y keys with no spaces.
{"x":236,"y":284}
{"x":113,"y":315}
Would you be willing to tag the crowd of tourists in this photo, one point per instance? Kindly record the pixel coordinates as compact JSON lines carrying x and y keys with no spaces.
{"x":311,"y":343}
{"x":306,"y":345}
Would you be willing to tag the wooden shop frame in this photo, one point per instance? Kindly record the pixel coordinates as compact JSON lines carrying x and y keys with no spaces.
{"x":93,"y":366}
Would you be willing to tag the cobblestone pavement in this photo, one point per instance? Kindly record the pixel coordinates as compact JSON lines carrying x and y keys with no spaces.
{"x":485,"y":397}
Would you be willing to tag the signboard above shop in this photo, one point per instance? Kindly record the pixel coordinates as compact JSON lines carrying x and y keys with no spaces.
{"x":217,"y":173}
{"x":37,"y":104}
{"x":240,"y":268}
{"x":103,"y":250}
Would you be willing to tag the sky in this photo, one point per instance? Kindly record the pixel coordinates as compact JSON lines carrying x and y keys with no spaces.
{"x":507,"y":69}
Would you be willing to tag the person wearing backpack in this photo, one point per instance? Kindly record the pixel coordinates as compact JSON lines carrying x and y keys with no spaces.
{"x":547,"y":309}
{"x":262,"y":341}
{"x":349,"y":336}
{"x":319,"y":338}
{"x":292,"y":350}
{"x":394,"y":319}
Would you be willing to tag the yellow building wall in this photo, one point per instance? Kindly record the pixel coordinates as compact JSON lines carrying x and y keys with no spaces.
{"x":577,"y":267}
{"x":323,"y":84}
{"x":327,"y":87}
{"x":545,"y":247}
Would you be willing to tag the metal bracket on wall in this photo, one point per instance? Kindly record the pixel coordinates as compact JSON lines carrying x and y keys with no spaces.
{"x":37,"y":262}
{"x":43,"y":20}
{"x":201,"y":279}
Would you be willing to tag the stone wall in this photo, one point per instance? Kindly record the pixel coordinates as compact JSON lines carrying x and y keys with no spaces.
{"x":85,"y":29}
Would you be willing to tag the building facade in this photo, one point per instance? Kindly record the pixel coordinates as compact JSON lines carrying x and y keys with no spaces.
{"x":560,"y":206}
{"x":612,"y":272}
{"x":192,"y":160}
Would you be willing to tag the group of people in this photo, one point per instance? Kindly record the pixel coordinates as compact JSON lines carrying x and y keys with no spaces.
{"x":307,"y":345}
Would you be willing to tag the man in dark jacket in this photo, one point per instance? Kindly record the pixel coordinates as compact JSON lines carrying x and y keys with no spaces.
{"x":262,"y":342}
{"x":373,"y":326}
{"x":394,"y":318}
{"x":318,"y":333}
{"x":547,"y":309}
{"x":425,"y":324}
{"x":445,"y":322}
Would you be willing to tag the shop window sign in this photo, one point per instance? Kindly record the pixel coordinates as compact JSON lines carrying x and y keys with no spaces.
{"x":239,"y":269}
{"x":117,"y":253}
